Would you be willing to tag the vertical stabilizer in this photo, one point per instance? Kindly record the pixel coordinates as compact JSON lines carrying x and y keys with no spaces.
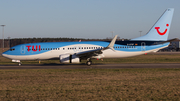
{"x":160,"y":30}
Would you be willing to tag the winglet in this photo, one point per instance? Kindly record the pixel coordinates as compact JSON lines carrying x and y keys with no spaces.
{"x":111,"y":44}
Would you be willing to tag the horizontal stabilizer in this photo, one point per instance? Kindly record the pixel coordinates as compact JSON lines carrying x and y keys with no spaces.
{"x":175,"y":39}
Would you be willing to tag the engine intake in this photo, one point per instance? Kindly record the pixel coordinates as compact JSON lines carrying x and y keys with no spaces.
{"x":67,"y":58}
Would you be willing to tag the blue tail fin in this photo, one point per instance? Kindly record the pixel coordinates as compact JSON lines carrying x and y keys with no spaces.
{"x":160,"y":30}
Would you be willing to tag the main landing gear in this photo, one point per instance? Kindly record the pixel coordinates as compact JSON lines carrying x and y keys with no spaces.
{"x":89,"y":62}
{"x":20,"y":63}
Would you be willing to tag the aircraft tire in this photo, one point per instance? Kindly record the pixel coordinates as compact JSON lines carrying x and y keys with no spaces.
{"x":20,"y":64}
{"x":89,"y":63}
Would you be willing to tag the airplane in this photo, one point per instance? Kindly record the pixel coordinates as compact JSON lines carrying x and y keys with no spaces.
{"x":74,"y":52}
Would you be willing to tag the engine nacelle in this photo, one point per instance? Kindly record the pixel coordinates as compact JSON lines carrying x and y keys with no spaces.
{"x":67,"y":58}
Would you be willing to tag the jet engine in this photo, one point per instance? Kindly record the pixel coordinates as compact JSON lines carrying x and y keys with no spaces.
{"x":67,"y":58}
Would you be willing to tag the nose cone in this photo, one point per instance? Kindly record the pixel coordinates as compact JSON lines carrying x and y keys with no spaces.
{"x":5,"y":54}
{"x":2,"y":54}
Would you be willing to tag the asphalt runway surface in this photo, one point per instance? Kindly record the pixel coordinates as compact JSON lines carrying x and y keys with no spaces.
{"x":93,"y":66}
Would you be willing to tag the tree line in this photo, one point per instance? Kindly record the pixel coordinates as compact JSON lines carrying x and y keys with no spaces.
{"x":16,"y":41}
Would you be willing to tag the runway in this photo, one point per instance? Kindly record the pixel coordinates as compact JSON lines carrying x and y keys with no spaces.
{"x":94,"y":66}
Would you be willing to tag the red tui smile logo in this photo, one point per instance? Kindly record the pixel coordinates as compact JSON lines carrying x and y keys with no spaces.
{"x":157,"y":28}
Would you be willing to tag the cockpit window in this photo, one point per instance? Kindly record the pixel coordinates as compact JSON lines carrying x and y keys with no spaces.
{"x":12,"y":49}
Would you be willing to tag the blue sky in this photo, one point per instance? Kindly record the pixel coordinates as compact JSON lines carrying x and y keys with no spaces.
{"x":84,"y":18}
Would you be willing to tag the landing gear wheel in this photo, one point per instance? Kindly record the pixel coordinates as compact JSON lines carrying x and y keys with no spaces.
{"x":89,"y":63}
{"x":20,"y":64}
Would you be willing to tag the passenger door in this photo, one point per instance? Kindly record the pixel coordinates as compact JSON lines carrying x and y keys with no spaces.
{"x":22,"y":49}
{"x":143,"y":46}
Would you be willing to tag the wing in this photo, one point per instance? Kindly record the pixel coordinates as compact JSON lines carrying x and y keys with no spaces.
{"x":89,"y":54}
{"x":96,"y":52}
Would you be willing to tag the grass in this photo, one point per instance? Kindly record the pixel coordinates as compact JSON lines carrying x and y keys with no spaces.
{"x":90,"y":84}
{"x":150,"y":58}
{"x":136,"y":84}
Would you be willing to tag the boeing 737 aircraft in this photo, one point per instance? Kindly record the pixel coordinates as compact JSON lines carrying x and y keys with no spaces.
{"x":74,"y":52}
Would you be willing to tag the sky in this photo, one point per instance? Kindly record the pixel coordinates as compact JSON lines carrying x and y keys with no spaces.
{"x":84,"y":18}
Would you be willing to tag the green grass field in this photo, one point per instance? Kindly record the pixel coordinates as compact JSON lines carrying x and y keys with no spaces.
{"x":136,"y":84}
{"x":90,"y":84}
